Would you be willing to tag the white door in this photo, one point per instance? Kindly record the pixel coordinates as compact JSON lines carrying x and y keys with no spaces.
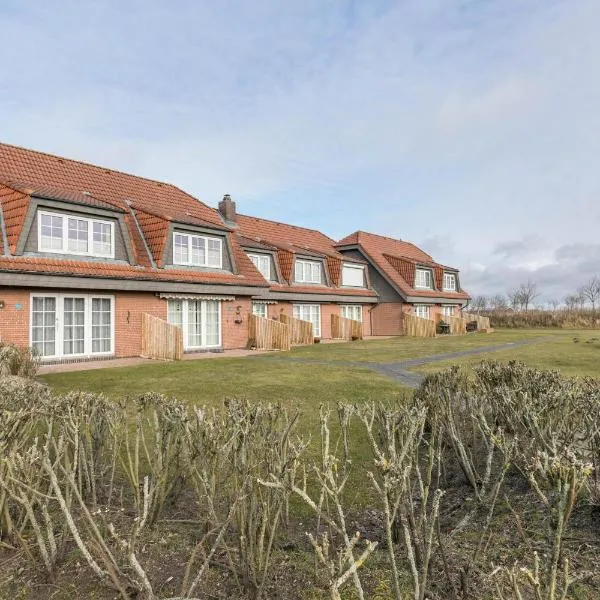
{"x":43,"y":325}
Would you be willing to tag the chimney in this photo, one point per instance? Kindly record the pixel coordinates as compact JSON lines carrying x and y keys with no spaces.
{"x":227,"y":208}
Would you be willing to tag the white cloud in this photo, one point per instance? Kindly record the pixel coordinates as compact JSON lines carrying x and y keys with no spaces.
{"x":470,"y":123}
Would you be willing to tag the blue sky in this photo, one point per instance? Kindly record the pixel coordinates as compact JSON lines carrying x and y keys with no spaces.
{"x":470,"y":127}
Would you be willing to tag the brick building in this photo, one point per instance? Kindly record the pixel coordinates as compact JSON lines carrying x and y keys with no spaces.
{"x":85,"y":251}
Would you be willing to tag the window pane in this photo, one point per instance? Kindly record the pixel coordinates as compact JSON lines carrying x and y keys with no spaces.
{"x":73,"y":325}
{"x":194,"y":334}
{"x":214,"y":253}
{"x":180,"y":249}
{"x":299,"y":274}
{"x":102,"y":238}
{"x":212,"y":323}
{"x":259,"y":309}
{"x":315,"y":272}
{"x":101,"y":325}
{"x":52,"y":232}
{"x":78,"y":235}
{"x":175,"y":312}
{"x":198,"y":252}
{"x":43,"y":326}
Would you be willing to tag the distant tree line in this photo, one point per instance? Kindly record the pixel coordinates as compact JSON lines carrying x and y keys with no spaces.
{"x":524,"y":298}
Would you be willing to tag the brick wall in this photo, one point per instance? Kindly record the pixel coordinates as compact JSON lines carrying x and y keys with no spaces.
{"x":129,"y":307}
{"x":14,"y":317}
{"x":386,"y":318}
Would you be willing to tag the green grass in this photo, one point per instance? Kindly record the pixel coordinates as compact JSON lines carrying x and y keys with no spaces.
{"x":297,"y":386}
{"x":575,"y":353}
{"x":404,"y":348}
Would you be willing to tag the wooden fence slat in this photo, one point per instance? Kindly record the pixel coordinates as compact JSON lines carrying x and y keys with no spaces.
{"x":301,"y":331}
{"x":161,"y":340}
{"x":482,"y":322}
{"x":267,"y":334}
{"x":418,"y":326}
{"x":345,"y":329}
{"x":458,"y":325}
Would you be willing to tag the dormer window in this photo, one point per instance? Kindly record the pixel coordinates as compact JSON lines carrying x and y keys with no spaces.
{"x":263,"y":263}
{"x":308,"y":271}
{"x":449,"y":282}
{"x":423,"y":279}
{"x":66,"y":234}
{"x":353,"y":275}
{"x":197,"y":250}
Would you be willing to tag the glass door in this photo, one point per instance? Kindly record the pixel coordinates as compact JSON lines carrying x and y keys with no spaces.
{"x":43,"y":325}
{"x":73,"y":325}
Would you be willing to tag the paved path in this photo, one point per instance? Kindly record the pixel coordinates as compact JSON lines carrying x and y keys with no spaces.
{"x":399,"y":370}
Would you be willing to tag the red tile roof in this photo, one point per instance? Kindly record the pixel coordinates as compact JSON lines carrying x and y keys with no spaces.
{"x":105,"y":270}
{"x":398,"y":260}
{"x":291,"y":240}
{"x":298,"y":240}
{"x":26,"y":173}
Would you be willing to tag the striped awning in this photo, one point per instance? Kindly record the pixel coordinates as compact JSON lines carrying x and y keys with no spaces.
{"x":196,"y":297}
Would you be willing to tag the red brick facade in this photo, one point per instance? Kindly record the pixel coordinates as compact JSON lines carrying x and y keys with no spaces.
{"x":129,"y":307}
{"x":386,"y":318}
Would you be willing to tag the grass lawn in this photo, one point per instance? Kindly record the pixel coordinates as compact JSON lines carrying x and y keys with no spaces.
{"x":404,"y":348}
{"x":571,"y":352}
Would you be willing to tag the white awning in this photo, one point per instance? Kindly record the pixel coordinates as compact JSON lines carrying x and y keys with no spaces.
{"x":264,"y":301}
{"x":196,"y":297}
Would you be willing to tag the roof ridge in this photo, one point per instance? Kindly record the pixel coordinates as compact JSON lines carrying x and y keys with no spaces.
{"x":288,"y":225}
{"x":89,"y":164}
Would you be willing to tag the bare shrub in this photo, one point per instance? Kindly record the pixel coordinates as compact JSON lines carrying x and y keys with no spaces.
{"x":17,"y":360}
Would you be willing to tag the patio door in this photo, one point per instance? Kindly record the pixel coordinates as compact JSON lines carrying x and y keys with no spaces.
{"x":73,"y":325}
{"x":68,"y":326}
{"x":200,"y":321}
{"x":44,"y":323}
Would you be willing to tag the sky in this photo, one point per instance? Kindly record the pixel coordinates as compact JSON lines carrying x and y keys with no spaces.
{"x":469,"y":127}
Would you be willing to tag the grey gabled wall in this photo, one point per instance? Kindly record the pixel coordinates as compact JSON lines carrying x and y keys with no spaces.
{"x":384,"y":290}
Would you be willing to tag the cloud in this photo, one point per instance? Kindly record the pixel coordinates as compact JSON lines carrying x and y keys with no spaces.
{"x":470,"y":125}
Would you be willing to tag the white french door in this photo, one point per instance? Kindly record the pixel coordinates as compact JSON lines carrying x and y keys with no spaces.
{"x":65,"y":325}
{"x":311,"y":313}
{"x":352,"y":311}
{"x":200,"y":321}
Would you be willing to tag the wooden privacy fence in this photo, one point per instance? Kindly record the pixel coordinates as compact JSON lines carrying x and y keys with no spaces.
{"x":161,"y":340}
{"x":301,"y":332}
{"x":345,"y":329}
{"x":482,"y":322}
{"x":266,"y":334}
{"x":458,"y":325}
{"x":418,"y":326}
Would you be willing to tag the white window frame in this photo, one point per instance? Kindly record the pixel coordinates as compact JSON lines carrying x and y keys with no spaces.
{"x":256,"y":261}
{"x":453,"y":286}
{"x":65,"y":234}
{"x":310,"y":268}
{"x":448,"y":310}
{"x":424,"y":308}
{"x":260,"y":309}
{"x":297,"y":312}
{"x":428,"y":276}
{"x":60,"y":328}
{"x":351,"y":311}
{"x":353,"y":268}
{"x":205,"y":239}
{"x":203,"y":311}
